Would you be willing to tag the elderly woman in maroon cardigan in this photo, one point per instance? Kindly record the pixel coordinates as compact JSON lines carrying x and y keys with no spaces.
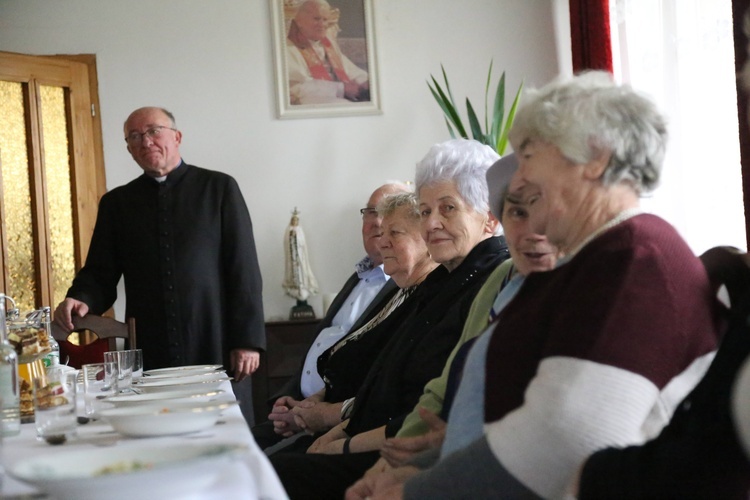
{"x":598,"y":351}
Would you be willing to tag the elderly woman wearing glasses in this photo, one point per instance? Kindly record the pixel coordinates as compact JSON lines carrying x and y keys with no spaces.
{"x":459,"y":231}
{"x":598,"y":351}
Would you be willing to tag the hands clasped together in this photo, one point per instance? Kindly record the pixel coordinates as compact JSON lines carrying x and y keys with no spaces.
{"x":385,"y":479}
{"x":311,"y":415}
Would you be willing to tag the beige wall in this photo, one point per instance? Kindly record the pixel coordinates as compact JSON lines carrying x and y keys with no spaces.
{"x":210,"y":62}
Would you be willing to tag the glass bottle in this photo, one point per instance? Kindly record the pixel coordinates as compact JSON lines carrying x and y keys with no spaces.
{"x":10,"y":412}
{"x":53,"y":357}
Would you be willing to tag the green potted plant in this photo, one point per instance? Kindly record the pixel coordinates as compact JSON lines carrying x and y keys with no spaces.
{"x":494,"y":134}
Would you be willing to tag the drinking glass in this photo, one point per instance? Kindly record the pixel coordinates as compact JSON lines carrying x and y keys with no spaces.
{"x":55,"y":405}
{"x":98,"y":383}
{"x":137,"y":364}
{"x":123,"y":363}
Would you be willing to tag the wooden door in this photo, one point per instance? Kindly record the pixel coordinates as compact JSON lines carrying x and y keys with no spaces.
{"x":51,"y":174}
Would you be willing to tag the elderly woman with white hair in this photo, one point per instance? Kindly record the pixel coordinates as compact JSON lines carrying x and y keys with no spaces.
{"x":598,"y":351}
{"x":460,"y":233}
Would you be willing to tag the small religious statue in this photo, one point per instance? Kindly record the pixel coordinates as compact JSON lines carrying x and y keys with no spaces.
{"x":299,"y":281}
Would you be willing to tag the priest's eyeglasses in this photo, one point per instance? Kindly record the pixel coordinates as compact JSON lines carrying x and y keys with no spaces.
{"x":368,"y":213}
{"x":152,"y":133}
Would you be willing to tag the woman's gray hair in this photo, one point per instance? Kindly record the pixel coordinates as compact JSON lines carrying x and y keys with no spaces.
{"x":392,"y":202}
{"x":462,"y":161}
{"x":589,"y":115}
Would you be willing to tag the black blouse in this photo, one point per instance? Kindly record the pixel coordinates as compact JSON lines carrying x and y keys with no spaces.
{"x":417,"y":350}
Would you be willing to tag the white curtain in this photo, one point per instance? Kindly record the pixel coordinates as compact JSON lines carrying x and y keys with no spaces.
{"x":681,"y":53}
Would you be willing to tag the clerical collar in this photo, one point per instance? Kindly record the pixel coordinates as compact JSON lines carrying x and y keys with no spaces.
{"x":163,"y":178}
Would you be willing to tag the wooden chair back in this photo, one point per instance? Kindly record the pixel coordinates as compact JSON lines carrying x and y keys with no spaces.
{"x":108,"y":330}
{"x":729,"y":267}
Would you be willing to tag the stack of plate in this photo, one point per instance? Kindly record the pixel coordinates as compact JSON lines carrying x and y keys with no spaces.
{"x":170,"y":401}
{"x":177,"y":371}
{"x":199,"y":378}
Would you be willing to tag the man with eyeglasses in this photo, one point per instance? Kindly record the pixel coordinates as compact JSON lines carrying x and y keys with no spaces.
{"x":363,"y":295}
{"x":182,"y":239}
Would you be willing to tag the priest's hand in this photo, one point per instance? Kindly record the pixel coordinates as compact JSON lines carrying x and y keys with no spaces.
{"x":243,"y":362}
{"x":66,"y":309}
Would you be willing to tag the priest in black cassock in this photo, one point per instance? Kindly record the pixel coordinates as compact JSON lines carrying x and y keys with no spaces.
{"x":182,"y":238}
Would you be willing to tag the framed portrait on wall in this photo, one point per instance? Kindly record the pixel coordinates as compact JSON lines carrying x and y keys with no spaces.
{"x":325,"y":61}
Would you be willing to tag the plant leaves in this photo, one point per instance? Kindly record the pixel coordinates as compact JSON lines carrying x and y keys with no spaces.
{"x":498,"y":111}
{"x":447,"y":106}
{"x":495,"y":133}
{"x":450,"y":129}
{"x":502,"y":142}
{"x":476,"y":129}
{"x":447,"y":87}
{"x":486,"y":94}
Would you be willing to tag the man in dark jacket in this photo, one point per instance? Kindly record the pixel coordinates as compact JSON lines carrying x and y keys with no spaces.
{"x":182,"y":239}
{"x":363,"y":295}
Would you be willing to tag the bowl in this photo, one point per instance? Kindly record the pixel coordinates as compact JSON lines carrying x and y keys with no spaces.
{"x":164,"y":472}
{"x":165,"y":418}
{"x":155,"y":397}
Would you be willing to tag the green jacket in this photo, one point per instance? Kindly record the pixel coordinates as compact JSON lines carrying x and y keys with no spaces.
{"x":476,"y":323}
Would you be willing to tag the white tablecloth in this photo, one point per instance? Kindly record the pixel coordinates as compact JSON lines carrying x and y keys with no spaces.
{"x":250,"y":477}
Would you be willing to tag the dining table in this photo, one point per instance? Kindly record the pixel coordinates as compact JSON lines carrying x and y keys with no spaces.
{"x":248,"y":476}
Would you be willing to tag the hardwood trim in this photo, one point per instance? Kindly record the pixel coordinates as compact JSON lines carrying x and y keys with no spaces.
{"x":90,"y":61}
{"x":3,"y":236}
{"x":39,"y":221}
{"x":86,"y":175}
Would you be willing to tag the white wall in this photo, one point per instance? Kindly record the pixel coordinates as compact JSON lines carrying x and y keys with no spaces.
{"x":210,"y":62}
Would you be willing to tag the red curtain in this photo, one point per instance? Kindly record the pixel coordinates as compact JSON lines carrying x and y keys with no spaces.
{"x":739,"y":7}
{"x":589,"y":33}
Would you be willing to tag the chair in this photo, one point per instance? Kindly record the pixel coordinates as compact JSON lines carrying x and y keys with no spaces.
{"x":729,"y":267}
{"x":108,"y":330}
{"x":698,"y":454}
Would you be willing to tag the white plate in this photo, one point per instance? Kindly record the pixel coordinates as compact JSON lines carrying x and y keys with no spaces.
{"x":183,"y":370}
{"x":182,"y":379}
{"x":165,"y":418}
{"x":175,"y":471}
{"x":152,"y":397}
{"x":164,"y":375}
{"x":194,"y":383}
{"x":179,"y":375}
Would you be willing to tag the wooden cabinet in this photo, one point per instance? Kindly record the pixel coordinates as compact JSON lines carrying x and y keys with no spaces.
{"x":286,"y":345}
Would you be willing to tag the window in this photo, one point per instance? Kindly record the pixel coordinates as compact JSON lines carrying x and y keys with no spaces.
{"x":681,"y":53}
